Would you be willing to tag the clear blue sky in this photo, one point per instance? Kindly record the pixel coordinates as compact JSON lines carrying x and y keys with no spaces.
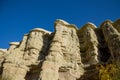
{"x":18,"y":17}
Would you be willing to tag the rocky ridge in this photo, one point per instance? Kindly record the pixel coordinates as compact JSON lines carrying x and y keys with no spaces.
{"x":67,"y":53}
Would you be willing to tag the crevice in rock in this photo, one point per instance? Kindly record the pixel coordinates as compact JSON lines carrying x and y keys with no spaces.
{"x":104,"y":54}
{"x":33,"y":74}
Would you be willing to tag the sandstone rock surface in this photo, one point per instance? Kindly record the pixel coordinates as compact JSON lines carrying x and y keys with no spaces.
{"x":67,"y":53}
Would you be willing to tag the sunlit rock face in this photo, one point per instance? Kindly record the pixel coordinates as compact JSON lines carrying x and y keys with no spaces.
{"x":68,"y":53}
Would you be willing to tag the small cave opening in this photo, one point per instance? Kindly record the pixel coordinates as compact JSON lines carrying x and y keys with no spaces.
{"x":33,"y":74}
{"x":104,"y":54}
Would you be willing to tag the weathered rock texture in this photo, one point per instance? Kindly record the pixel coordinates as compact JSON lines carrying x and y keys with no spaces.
{"x":67,"y":53}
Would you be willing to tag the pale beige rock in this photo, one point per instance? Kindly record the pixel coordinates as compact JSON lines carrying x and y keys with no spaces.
{"x":112,"y":37}
{"x":3,"y":50}
{"x":67,"y":53}
{"x":13,"y":45}
{"x":35,"y":44}
{"x":89,"y":44}
{"x":40,"y":30}
{"x":22,"y":45}
{"x":62,"y":54}
{"x":2,"y":58}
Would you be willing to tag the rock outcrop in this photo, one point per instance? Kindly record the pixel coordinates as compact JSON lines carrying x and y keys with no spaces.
{"x":67,"y":53}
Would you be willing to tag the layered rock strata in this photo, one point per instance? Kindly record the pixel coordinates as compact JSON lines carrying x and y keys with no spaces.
{"x":67,"y":53}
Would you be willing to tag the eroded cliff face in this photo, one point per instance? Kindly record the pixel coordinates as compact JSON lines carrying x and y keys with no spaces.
{"x":67,"y":53}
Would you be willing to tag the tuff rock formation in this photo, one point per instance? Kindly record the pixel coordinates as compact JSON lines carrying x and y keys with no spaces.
{"x":67,"y":53}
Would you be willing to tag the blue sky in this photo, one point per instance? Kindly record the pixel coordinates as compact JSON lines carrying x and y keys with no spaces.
{"x":18,"y":17}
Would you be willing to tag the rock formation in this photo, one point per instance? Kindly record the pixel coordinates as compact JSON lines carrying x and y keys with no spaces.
{"x":67,"y":53}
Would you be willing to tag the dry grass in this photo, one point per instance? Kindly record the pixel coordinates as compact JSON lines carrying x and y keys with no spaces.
{"x":109,"y":72}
